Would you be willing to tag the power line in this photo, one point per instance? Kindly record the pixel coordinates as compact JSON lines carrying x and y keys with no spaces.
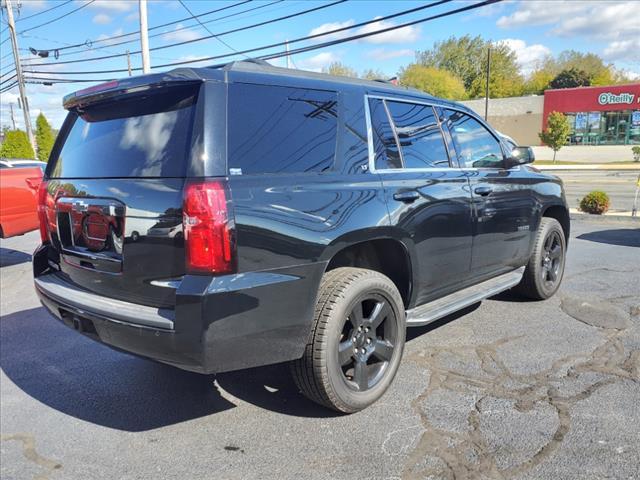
{"x":58,"y":18}
{"x":122,"y":35}
{"x":44,"y":11}
{"x":307,"y":48}
{"x":273,"y":45}
{"x":5,"y":89}
{"x":228,"y":32}
{"x":8,"y":79}
{"x":206,"y":28}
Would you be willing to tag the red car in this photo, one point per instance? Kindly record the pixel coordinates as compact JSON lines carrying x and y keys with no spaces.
{"x":19,"y":198}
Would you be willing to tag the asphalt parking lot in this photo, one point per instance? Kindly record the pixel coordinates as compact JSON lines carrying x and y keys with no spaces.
{"x":505,"y":389}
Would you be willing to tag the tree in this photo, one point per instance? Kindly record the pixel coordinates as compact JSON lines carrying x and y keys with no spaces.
{"x":466,"y":58}
{"x":439,"y":83}
{"x":556,"y":133}
{"x":340,"y":69}
{"x":44,"y":137}
{"x":570,"y":79}
{"x":16,"y":145}
{"x":371,"y":74}
{"x":537,"y":82}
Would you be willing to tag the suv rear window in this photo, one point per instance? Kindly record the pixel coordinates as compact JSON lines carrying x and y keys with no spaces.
{"x":276,"y":129}
{"x":130,"y":137}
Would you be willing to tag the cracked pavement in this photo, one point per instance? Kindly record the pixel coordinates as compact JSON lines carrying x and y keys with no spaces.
{"x":506,"y":389}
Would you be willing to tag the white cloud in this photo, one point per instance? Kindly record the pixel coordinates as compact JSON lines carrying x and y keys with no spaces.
{"x":102,"y":19}
{"x":107,"y":41}
{"x":628,"y":50}
{"x":317,"y":62}
{"x":179,"y":35}
{"x":402,"y":35}
{"x":382,"y":54}
{"x":131,"y":17}
{"x":615,"y":22}
{"x":114,"y":5}
{"x":34,"y":4}
{"x":327,"y":27}
{"x":528,"y":56}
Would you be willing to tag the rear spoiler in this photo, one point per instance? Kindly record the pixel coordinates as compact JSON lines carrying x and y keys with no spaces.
{"x":128,"y":86}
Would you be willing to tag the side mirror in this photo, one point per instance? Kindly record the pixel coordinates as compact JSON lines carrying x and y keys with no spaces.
{"x":520,"y":156}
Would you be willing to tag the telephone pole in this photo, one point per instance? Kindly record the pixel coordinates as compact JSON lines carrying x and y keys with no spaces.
{"x":19,"y":77}
{"x":288,"y":56}
{"x":486,"y":98}
{"x":129,"y":62}
{"x":144,"y":36}
{"x":13,"y":118}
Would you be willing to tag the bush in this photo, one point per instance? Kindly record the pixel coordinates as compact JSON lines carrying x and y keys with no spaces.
{"x":596,"y":202}
{"x":16,"y":145}
{"x":636,"y":153}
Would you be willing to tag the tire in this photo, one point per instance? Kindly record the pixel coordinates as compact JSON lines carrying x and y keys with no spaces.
{"x":543,"y":274}
{"x":356,"y":342}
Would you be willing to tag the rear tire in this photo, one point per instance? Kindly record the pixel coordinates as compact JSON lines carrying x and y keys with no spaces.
{"x":543,"y":274}
{"x":356,"y":343}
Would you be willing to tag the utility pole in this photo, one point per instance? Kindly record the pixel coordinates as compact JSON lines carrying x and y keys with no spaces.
{"x":13,"y":118}
{"x":287,"y":50}
{"x":486,"y":98}
{"x":144,"y":36}
{"x":19,"y":77}
{"x":129,"y":62}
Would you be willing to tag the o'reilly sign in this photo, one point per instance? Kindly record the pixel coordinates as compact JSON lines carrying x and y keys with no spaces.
{"x":607,"y":98}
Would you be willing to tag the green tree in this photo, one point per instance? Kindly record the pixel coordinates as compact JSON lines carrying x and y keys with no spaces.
{"x":44,"y":137}
{"x":16,"y":145}
{"x":439,"y":83}
{"x":371,"y":74}
{"x":570,"y":79}
{"x":340,"y":69}
{"x":466,"y":57}
{"x":556,"y":133}
{"x":537,"y":82}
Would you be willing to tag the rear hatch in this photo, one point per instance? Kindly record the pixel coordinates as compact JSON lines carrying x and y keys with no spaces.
{"x":114,"y":195}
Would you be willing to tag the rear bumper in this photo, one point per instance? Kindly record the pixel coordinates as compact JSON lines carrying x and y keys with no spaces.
{"x":219,"y":323}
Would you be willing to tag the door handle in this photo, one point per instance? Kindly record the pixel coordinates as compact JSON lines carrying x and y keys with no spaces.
{"x":407,"y":196}
{"x":483,"y":191}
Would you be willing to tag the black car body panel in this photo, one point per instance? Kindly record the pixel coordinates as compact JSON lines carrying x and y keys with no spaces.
{"x":294,"y":215}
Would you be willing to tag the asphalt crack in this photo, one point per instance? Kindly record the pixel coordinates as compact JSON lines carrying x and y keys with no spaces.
{"x":468,"y":454}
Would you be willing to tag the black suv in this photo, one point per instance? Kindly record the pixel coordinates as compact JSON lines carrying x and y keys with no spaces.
{"x":223,"y":218}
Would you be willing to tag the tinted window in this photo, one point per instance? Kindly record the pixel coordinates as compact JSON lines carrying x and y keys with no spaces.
{"x":384,"y":143}
{"x":419,"y":135}
{"x":281,"y":129}
{"x":136,"y":137}
{"x":476,"y":146}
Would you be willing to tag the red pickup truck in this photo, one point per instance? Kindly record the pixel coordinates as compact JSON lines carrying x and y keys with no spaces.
{"x":19,"y":197}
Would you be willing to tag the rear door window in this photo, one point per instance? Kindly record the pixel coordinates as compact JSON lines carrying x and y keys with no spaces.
{"x":419,"y":135}
{"x":131,"y":137}
{"x":275,"y":129}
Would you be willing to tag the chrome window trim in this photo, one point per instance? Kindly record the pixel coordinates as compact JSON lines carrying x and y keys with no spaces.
{"x":372,"y":166}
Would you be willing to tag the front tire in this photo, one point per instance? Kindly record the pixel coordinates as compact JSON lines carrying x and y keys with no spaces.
{"x":543,"y":274}
{"x":357,"y":340}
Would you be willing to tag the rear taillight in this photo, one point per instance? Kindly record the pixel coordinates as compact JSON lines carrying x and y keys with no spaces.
{"x":208,"y":228}
{"x":42,"y":211}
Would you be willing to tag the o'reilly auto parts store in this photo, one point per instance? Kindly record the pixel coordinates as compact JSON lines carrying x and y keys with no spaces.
{"x":597,"y":115}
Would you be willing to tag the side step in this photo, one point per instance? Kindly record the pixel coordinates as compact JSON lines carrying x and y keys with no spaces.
{"x":453,"y":302}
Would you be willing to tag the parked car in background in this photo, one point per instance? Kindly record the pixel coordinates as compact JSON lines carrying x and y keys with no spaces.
{"x":19,"y":184}
{"x":217,"y":219}
{"x":19,"y":162}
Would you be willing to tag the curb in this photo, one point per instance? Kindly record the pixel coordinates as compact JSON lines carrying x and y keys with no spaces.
{"x":604,"y":218}
{"x":598,"y":166}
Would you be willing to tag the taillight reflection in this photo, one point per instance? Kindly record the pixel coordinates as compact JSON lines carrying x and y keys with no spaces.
{"x":43,"y":195}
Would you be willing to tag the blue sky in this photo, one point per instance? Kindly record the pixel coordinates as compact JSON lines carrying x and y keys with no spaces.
{"x":533,"y":28}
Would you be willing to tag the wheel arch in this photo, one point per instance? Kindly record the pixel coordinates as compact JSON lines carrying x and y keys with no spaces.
{"x":382,"y":253}
{"x":561,"y":214}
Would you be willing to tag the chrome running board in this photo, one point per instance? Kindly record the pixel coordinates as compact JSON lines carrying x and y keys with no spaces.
{"x":453,"y":302}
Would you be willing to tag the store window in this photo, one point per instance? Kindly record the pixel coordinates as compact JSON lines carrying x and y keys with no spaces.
{"x":604,"y":128}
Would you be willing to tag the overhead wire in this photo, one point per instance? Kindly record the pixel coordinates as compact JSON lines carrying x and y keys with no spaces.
{"x":252,"y":50}
{"x":22,"y":19}
{"x":57,"y":18}
{"x":302,"y":49}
